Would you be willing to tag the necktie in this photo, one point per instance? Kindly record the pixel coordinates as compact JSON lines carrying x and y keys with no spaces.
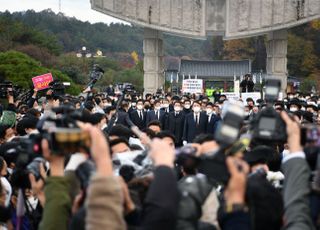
{"x":157,"y":114}
{"x":197,"y":119}
{"x":141,"y":116}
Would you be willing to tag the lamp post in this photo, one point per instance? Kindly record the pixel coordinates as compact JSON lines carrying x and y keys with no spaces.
{"x":84,"y":53}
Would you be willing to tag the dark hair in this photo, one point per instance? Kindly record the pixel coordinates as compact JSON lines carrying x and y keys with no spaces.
{"x":155,"y":123}
{"x":265,"y":203}
{"x":164,"y":134}
{"x":109,"y":109}
{"x":197,"y":102}
{"x":1,"y":165}
{"x":150,"y":133}
{"x":177,"y":102}
{"x":202,"y":138}
{"x":97,"y":100}
{"x":120,"y":131}
{"x":118,"y":141}
{"x":89,"y":105}
{"x":3,"y":129}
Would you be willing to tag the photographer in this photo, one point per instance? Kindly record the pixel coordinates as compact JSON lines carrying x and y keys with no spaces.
{"x":296,"y":184}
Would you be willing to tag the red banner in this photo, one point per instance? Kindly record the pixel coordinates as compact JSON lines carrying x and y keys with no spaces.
{"x":42,"y":82}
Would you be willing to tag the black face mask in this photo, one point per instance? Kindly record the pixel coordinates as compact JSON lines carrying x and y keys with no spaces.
{"x":147,"y":107}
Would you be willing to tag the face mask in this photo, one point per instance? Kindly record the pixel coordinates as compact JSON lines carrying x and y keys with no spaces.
{"x":147,"y":107}
{"x":10,"y":170}
{"x":177,"y":108}
{"x":106,"y":104}
{"x":293,"y":109}
{"x":157,"y":108}
{"x":290,"y":97}
{"x":187,"y":106}
{"x":209,"y":111}
{"x":246,"y":114}
{"x":196,"y":109}
{"x":303,"y":109}
{"x":139,"y":107}
{"x":165,"y":105}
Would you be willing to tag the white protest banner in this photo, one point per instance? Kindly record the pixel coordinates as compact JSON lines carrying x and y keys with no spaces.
{"x":192,"y":86}
{"x":255,"y":96}
{"x":233,"y":96}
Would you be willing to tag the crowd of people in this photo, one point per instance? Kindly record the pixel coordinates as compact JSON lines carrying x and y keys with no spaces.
{"x":159,"y":176}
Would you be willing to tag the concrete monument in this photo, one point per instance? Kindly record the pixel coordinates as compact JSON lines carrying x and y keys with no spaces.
{"x":200,"y":18}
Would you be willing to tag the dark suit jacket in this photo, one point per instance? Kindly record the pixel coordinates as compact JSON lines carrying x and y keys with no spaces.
{"x":151,"y":116}
{"x":161,"y":204}
{"x":296,"y":195}
{"x":122,"y":118}
{"x":213,"y":123}
{"x":140,"y":123}
{"x":191,"y":129}
{"x":175,"y":124}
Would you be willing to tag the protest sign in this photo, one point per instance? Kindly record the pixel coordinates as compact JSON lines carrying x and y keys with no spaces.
{"x":192,"y":86}
{"x":255,"y":96}
{"x":42,"y":82}
{"x":232,"y":96}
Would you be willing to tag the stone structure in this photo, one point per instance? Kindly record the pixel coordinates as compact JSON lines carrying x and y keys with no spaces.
{"x":277,"y":43}
{"x":153,"y":60}
{"x":200,"y":18}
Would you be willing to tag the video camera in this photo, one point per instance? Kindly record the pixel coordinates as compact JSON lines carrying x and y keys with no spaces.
{"x":7,"y":88}
{"x":64,"y":138}
{"x":95,"y":75}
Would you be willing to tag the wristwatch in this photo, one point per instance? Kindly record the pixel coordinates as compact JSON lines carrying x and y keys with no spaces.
{"x":230,"y":208}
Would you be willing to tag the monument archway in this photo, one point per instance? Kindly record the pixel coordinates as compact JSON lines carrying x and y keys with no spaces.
{"x":231,"y":19}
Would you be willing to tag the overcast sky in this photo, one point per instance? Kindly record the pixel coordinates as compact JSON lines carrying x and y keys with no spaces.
{"x":81,"y":9}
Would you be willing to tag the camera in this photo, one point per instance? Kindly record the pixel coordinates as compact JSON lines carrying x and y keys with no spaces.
{"x":229,"y":130}
{"x":58,"y":90}
{"x":4,"y":90}
{"x":268,"y":125}
{"x":95,"y":75}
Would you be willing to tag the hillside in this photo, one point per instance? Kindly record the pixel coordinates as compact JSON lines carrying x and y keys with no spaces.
{"x":72,"y":34}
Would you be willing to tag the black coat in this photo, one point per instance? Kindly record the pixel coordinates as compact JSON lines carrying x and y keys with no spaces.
{"x":140,"y":123}
{"x":175,"y":124}
{"x":191,"y":129}
{"x":151,"y":116}
{"x":213,"y":123}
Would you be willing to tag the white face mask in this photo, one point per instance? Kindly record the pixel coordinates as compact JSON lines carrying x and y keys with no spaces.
{"x":196,"y":109}
{"x":106,"y":104}
{"x":139,"y":107}
{"x":209,"y":111}
{"x":246,"y":114}
{"x":165,"y":105}
{"x":293,"y":109}
{"x":187,"y":106}
{"x":177,"y":108}
{"x":157,"y":108}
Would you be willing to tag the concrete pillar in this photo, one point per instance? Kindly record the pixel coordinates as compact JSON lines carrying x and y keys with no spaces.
{"x":153,"y":60}
{"x":277,"y":45}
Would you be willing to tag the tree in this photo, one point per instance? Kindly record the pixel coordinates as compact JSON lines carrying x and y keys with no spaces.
{"x":20,"y":68}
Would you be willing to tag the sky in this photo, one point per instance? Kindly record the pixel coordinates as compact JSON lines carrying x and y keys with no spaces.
{"x":80,"y":9}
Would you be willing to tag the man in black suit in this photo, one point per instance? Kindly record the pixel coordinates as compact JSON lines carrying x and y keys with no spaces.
{"x":156,"y":114}
{"x":175,"y":123}
{"x":213,"y":118}
{"x":195,"y":123}
{"x":138,"y":117}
